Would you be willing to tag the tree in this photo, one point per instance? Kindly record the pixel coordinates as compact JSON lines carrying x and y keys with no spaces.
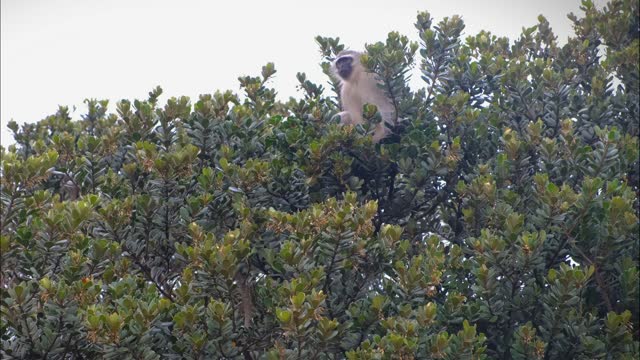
{"x":499,"y":221}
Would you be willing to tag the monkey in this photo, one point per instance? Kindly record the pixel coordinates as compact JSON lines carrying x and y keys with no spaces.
{"x":69,"y":190}
{"x":359,"y":87}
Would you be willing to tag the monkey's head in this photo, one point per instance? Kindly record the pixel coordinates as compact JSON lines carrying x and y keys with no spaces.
{"x":345,"y":64}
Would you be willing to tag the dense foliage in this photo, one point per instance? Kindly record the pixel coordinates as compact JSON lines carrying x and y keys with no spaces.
{"x":499,"y":221}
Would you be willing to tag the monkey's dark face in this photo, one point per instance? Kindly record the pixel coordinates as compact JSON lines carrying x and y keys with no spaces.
{"x":344,"y":65}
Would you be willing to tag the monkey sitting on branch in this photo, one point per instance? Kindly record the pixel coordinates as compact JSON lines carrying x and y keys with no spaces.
{"x":359,"y":87}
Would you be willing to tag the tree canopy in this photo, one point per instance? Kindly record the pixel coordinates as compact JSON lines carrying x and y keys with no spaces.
{"x":498,"y":221}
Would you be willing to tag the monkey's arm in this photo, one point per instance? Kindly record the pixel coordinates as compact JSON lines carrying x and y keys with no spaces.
{"x":345,"y":118}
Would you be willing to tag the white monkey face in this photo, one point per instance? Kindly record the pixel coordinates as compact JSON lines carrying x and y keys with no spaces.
{"x":344,"y":66}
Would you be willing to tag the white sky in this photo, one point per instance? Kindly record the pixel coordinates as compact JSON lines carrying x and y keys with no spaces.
{"x":59,"y":52}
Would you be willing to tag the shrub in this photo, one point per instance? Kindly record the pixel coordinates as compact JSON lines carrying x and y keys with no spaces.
{"x":500,"y":220}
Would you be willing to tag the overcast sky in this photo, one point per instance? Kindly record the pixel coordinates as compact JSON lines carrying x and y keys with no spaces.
{"x":59,"y":52}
